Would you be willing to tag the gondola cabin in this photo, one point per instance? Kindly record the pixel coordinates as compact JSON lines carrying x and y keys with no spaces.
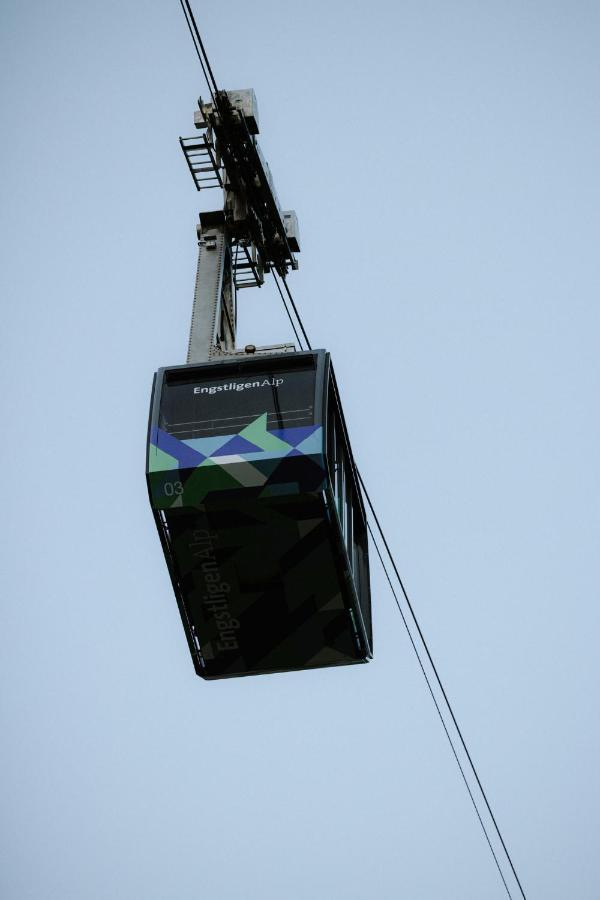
{"x":254,"y":493}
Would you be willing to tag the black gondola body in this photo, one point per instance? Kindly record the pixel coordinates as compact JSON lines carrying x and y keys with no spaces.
{"x":253,"y":488}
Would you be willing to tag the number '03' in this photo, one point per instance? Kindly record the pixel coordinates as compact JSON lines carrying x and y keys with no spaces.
{"x":173,"y":487}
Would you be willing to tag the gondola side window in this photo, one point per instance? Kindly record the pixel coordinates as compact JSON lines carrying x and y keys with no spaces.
{"x":349,"y":525}
{"x":341,"y":481}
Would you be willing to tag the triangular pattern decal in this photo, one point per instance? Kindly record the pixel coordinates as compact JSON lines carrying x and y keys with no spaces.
{"x":208,"y":445}
{"x":247,"y":474}
{"x":313,"y":444}
{"x":307,"y":525}
{"x":159,"y":461}
{"x":198,"y":485}
{"x":294,"y":436}
{"x":257,"y":433}
{"x":185,"y":456}
{"x":238,"y":444}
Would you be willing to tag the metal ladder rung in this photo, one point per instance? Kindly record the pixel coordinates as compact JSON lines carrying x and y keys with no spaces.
{"x":200,"y":158}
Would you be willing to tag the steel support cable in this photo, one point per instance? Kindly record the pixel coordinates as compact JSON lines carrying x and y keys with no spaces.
{"x":289,"y":293}
{"x":424,"y":643}
{"x":207,"y":70}
{"x":197,"y":37}
{"x":285,"y":306}
{"x":196,"y":48}
{"x":439,"y":712}
{"x":438,"y":679}
{"x":199,"y":48}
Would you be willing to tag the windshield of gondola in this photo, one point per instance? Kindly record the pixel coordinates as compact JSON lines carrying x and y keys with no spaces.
{"x":226,"y":401}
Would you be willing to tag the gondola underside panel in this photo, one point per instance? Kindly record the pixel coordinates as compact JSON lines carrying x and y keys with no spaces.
{"x":259,"y":588}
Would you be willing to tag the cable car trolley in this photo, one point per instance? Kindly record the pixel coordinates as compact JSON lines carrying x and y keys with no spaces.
{"x":252,"y":484}
{"x":249,"y":468}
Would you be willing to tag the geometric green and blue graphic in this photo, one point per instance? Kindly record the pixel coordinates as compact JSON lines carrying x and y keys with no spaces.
{"x":268,"y":462}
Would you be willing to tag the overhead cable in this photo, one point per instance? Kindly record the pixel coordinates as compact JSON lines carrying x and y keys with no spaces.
{"x":212,"y":86}
{"x":300,"y":322}
{"x":200,"y":51}
{"x":437,"y":706}
{"x":285,"y":306}
{"x":437,"y":678}
{"x":432,"y":664}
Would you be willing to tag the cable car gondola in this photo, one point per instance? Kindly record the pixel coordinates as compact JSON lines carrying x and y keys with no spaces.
{"x":252,"y":483}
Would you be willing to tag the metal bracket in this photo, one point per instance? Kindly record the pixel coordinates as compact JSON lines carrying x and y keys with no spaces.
{"x":208,"y":308}
{"x":249,"y":237}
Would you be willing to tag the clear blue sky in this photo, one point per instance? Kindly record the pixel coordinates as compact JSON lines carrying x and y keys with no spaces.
{"x":443,"y":161}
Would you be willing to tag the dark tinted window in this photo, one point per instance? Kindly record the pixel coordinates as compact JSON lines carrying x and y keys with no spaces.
{"x":225,"y":401}
{"x":346,"y":501}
